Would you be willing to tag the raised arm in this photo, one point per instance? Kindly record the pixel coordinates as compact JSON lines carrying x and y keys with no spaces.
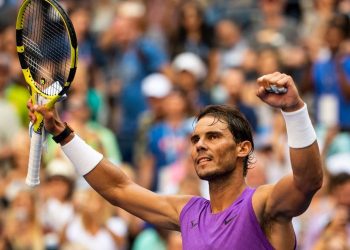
{"x":292,"y":194}
{"x":109,"y":181}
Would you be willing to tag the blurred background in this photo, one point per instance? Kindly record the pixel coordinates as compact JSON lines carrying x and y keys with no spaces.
{"x":145,"y":69}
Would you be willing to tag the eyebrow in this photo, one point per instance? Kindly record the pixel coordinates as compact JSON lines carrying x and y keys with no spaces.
{"x":212,"y":132}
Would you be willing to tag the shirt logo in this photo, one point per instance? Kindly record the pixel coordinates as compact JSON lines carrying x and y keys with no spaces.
{"x":229,"y":220}
{"x":194,"y":223}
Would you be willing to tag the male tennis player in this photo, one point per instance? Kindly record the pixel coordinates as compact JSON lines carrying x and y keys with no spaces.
{"x":236,"y":216}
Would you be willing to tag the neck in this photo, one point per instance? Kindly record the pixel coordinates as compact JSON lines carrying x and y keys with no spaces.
{"x":232,"y":101}
{"x":334,"y":52}
{"x":194,"y":35}
{"x":90,"y":224}
{"x":175,"y":120}
{"x":224,"y":191}
{"x":274,"y":20}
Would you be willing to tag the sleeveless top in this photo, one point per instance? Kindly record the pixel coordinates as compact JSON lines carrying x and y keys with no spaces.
{"x":234,"y":228}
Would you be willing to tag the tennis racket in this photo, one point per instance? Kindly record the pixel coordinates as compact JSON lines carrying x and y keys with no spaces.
{"x":48,"y":53}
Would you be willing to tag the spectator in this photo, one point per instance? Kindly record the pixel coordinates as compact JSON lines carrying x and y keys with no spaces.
{"x":167,"y":139}
{"x":233,"y":82}
{"x":316,"y":17}
{"x":331,"y":77}
{"x":8,"y":111}
{"x":195,"y":36}
{"x":268,"y":60}
{"x":131,"y":57}
{"x":14,"y":178}
{"x":78,"y":114}
{"x":16,"y":91}
{"x":332,"y":226}
{"x":56,"y":207}
{"x":232,"y":47}
{"x":335,"y":234}
{"x":257,"y":174}
{"x":90,"y":228}
{"x":155,"y":88}
{"x":22,"y":227}
{"x":131,"y":226}
{"x":272,"y":28}
{"x":81,"y":19}
{"x":174,"y":241}
{"x":103,"y":12}
{"x":151,"y":239}
{"x":189,"y":73}
{"x":4,"y":244}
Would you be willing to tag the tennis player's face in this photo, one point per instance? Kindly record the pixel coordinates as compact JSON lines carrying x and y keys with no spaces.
{"x":213,"y":149}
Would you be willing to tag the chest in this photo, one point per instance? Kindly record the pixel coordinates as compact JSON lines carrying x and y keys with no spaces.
{"x":235,"y":228}
{"x":214,"y":231}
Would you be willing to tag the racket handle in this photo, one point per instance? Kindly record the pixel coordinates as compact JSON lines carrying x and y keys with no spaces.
{"x":276,"y":90}
{"x":39,"y":123}
{"x":33,"y":174}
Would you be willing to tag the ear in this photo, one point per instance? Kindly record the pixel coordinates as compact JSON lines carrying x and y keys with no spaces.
{"x":244,"y":148}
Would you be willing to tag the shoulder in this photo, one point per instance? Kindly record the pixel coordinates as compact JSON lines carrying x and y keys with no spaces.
{"x":278,"y":230}
{"x":157,"y":128}
{"x":193,"y":203}
{"x":259,"y":200}
{"x":346,"y":61}
{"x":324,"y":56}
{"x":147,"y":46}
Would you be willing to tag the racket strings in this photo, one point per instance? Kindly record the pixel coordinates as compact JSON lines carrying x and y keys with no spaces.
{"x":47,"y":47}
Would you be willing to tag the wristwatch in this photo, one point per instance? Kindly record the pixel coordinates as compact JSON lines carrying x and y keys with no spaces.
{"x":64,"y":134}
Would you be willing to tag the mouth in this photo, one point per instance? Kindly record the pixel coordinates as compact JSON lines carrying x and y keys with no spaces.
{"x":202,"y":160}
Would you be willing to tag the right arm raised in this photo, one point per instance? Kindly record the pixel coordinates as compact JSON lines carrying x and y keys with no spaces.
{"x":161,"y":210}
{"x":110,"y":181}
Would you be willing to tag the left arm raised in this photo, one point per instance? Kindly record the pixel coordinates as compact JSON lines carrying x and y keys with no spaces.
{"x":292,"y":195}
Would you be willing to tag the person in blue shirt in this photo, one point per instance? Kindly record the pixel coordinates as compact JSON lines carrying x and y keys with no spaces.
{"x":131,"y":56}
{"x":331,"y":77}
{"x":168,"y":139}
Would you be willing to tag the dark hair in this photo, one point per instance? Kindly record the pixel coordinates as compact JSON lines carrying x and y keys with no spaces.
{"x":338,"y":180}
{"x":206,"y":30}
{"x":237,"y":124}
{"x":341,"y":22}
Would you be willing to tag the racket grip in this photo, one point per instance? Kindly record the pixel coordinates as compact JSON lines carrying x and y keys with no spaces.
{"x":33,"y":174}
{"x":276,"y":90}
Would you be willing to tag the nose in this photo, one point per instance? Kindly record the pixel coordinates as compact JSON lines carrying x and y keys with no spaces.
{"x":200,"y":145}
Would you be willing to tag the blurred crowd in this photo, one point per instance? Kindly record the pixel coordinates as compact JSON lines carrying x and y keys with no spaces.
{"x":145,"y":68}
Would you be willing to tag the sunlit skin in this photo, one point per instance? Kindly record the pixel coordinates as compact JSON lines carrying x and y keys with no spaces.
{"x":215,"y":153}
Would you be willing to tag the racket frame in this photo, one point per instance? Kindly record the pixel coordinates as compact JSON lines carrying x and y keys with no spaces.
{"x":37,"y":126}
{"x":38,"y":96}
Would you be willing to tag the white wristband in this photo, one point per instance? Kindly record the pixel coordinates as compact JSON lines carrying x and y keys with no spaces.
{"x":299,"y":128}
{"x":83,"y":156}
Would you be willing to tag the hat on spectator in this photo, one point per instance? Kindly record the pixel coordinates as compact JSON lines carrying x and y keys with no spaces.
{"x":156,"y":85}
{"x":60,"y":167}
{"x":338,"y":163}
{"x":14,"y":188}
{"x":191,"y":63}
{"x":131,"y":9}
